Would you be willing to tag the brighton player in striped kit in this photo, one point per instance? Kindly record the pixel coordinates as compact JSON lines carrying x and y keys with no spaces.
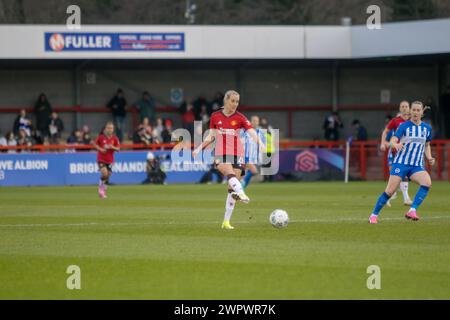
{"x":388,"y":132}
{"x":412,"y":142}
{"x":225,"y":127}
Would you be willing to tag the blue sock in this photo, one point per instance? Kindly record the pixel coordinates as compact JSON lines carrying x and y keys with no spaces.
{"x":248,"y":177}
{"x":380,"y":203}
{"x":420,"y":196}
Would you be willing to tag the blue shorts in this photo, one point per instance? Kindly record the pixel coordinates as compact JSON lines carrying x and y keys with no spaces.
{"x":403,"y":171}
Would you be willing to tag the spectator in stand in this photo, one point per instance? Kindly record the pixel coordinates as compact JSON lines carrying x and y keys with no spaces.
{"x":143,"y":134}
{"x":146,"y":125}
{"x":360,"y":132}
{"x":117,"y":105}
{"x":36,"y":137}
{"x":216,"y":103}
{"x":140,"y":136}
{"x":146,"y":107}
{"x":23,"y":139}
{"x":3,"y":142}
{"x":22,"y":121}
{"x":55,"y":128}
{"x":158,"y":130}
{"x":198,"y":104}
{"x":183,"y":105}
{"x":11,"y":141}
{"x":42,"y":110}
{"x":204,"y":117}
{"x":188,"y":119}
{"x":76,"y":137}
{"x":166,"y":134}
{"x":331,"y":126}
{"x":430,"y":115}
{"x":86,"y":133}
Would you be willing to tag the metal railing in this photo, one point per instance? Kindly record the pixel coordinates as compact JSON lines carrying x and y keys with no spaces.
{"x":360,"y":153}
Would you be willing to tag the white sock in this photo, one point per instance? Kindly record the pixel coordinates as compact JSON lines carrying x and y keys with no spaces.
{"x":229,"y":206}
{"x":404,"y":189}
{"x":235,"y":185}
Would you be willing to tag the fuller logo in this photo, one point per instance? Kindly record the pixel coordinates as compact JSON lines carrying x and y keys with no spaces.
{"x":78,"y":41}
{"x":306,"y":161}
{"x":56,"y":42}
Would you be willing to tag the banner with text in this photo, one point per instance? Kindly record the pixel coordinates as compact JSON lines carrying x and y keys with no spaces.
{"x":77,"y":41}
{"x":80,"y":168}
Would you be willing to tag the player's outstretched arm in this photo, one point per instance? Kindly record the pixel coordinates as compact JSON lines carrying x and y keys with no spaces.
{"x":428,"y":154}
{"x":383,"y":142}
{"x":99,"y":149}
{"x":394,"y":143}
{"x":208,"y":140}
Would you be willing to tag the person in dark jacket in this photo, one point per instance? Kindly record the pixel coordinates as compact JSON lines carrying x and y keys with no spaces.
{"x":208,"y":176}
{"x":43,"y":110}
{"x":117,"y":105}
{"x":198,"y":104}
{"x":331,"y":126}
{"x":166,"y":134}
{"x":76,"y":137}
{"x":216,"y":103}
{"x":36,"y":137}
{"x":155,"y":174}
{"x":146,"y":107}
{"x":55,"y":128}
{"x":360,"y":132}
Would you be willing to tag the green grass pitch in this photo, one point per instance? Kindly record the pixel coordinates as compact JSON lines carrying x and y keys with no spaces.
{"x":165,"y":242}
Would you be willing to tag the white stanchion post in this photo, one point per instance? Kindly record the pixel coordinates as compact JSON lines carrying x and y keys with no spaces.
{"x":347,"y":160}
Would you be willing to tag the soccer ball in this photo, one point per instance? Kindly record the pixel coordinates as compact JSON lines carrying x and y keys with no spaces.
{"x":279,"y":218}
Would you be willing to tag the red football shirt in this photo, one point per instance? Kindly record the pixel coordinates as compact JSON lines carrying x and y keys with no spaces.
{"x":395,"y":123}
{"x":228,"y":128}
{"x":104,"y":142}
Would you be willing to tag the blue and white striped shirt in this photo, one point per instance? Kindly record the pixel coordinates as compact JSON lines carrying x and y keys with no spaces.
{"x":414,"y":137}
{"x":252,"y":148}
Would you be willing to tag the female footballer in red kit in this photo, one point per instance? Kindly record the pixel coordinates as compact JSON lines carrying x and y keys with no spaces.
{"x":225,"y":127}
{"x":106,"y":144}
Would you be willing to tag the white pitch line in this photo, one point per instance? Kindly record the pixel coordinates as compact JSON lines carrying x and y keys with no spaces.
{"x":87,"y":224}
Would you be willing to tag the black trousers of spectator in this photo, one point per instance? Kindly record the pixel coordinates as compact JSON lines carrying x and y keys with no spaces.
{"x":332,"y":134}
{"x":208,"y":176}
{"x":156,"y":177}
